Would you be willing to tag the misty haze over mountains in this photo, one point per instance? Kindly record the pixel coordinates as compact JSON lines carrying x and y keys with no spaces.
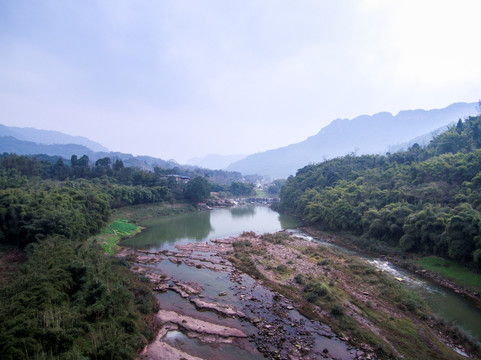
{"x":215,"y":161}
{"x":364,"y":134}
{"x":31,"y":141}
{"x":48,"y":137}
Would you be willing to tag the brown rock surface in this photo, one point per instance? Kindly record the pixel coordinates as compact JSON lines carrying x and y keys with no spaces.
{"x":200,"y":326}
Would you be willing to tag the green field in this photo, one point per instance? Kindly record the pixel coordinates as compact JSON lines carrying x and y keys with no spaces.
{"x":123,"y":227}
{"x":451,"y":270}
{"x":114,"y":232}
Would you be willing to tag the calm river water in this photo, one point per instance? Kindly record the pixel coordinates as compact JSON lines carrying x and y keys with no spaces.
{"x":166,"y":232}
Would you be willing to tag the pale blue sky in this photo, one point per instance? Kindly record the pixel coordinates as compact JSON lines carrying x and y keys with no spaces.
{"x":185,"y":78}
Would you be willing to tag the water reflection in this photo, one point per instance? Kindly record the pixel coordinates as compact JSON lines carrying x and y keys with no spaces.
{"x":165,"y":232}
{"x":288,"y":222}
{"x":243,"y":211}
{"x":171,"y":229}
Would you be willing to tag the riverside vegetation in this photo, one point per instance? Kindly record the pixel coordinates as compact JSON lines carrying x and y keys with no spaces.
{"x":61,"y":295}
{"x":423,"y":201}
{"x":366,"y":306}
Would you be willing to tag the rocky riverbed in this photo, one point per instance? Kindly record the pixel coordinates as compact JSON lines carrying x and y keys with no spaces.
{"x":210,"y":309}
{"x":253,"y":321}
{"x":409,"y":265}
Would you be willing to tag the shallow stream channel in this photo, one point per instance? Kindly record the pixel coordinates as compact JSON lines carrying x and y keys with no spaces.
{"x":209,"y":310}
{"x":445,"y":303}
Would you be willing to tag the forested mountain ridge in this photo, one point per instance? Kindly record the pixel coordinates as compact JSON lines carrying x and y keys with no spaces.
{"x":10,"y":144}
{"x":361,"y":135}
{"x":425,"y":200}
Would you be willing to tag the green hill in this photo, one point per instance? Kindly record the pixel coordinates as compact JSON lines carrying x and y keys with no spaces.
{"x":424,"y":200}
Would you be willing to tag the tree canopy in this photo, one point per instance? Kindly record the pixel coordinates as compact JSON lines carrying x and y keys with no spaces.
{"x":425,"y":200}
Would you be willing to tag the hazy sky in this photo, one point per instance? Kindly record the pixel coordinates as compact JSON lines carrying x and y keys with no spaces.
{"x":185,"y":78}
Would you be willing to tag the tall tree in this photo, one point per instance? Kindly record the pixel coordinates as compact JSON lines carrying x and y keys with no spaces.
{"x":197,"y":189}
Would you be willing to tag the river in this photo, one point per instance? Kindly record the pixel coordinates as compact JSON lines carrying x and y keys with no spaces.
{"x":168,"y":231}
{"x":164,"y":233}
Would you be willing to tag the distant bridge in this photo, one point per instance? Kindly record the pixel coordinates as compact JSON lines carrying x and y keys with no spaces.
{"x":257,"y":200}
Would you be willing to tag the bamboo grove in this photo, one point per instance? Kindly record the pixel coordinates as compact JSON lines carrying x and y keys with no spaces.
{"x":423,"y":200}
{"x":69,"y":300}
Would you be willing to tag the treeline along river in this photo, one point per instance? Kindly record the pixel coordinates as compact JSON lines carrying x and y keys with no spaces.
{"x":164,"y":233}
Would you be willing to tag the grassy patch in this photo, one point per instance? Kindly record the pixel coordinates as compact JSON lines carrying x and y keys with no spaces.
{"x":114,"y":232}
{"x":413,"y":340}
{"x":142,"y":213}
{"x":278,"y":238}
{"x":243,"y":260}
{"x":123,"y":227}
{"x":451,"y":270}
{"x":314,"y":291}
{"x":127,"y":217}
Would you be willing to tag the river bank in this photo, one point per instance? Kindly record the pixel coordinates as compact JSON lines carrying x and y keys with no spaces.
{"x":347,"y":309}
{"x":352,"y":297}
{"x":405,"y":262}
{"x":243,"y":317}
{"x":183,"y":268}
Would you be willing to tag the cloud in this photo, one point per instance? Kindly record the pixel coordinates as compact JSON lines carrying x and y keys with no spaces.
{"x":230,"y":77}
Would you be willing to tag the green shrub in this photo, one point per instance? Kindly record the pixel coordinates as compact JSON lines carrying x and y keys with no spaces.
{"x":248,"y":234}
{"x":314,"y":291}
{"x":299,"y":279}
{"x":278,"y":238}
{"x":337,"y":310}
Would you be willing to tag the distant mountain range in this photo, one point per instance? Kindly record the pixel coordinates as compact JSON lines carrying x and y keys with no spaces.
{"x":361,"y":135}
{"x":364,"y":134}
{"x":422,"y":140}
{"x":10,"y":144}
{"x":48,"y":137}
{"x":215,"y":161}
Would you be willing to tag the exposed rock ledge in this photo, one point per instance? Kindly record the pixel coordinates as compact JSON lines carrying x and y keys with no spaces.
{"x":225,"y":309}
{"x":200,"y":326}
{"x":159,"y":350}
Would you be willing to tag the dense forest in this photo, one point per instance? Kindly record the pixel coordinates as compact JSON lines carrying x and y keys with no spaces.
{"x":124,"y":185}
{"x":423,"y":200}
{"x":69,"y":299}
